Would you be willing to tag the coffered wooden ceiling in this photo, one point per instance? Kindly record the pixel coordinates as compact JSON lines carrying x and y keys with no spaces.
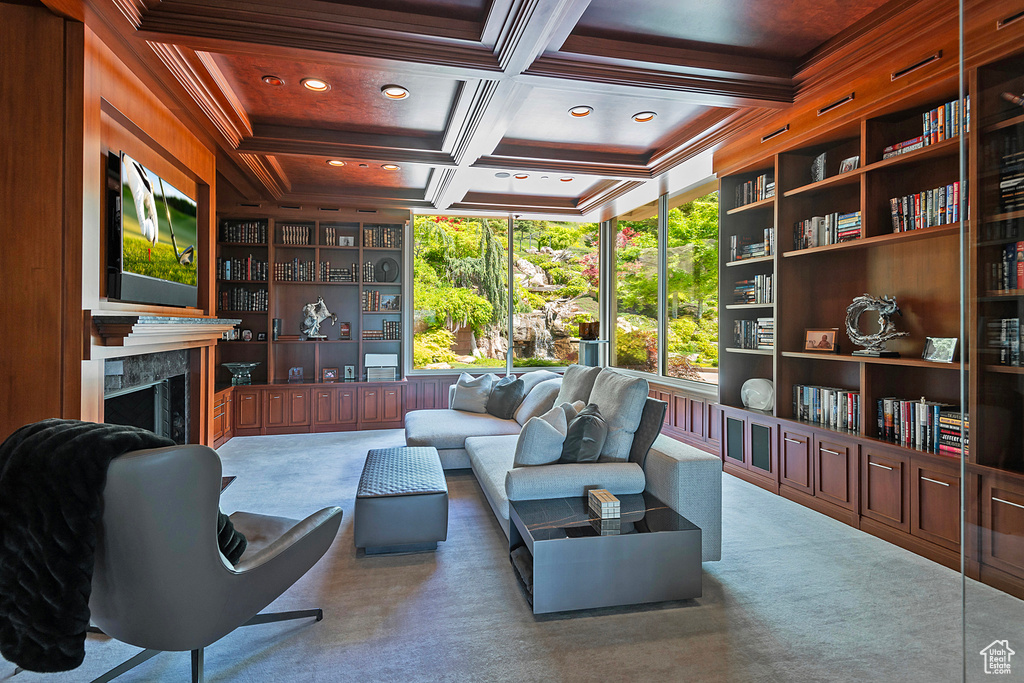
{"x":490,"y":82}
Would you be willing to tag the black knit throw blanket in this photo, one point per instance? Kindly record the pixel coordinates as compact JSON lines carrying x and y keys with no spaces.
{"x":52,"y":475}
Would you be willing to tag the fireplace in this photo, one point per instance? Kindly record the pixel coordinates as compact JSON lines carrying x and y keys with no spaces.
{"x":150,"y":391}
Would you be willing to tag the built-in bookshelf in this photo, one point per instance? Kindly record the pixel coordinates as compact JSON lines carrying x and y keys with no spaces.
{"x":268,"y":268}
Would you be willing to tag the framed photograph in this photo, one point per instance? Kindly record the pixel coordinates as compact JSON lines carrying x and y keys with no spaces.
{"x":849,"y":164}
{"x":390,"y":302}
{"x":329,"y":374}
{"x":940,"y":349}
{"x":350,"y":372}
{"x":262,"y":336}
{"x":294,"y":374}
{"x":246,"y":335}
{"x":822,"y":339}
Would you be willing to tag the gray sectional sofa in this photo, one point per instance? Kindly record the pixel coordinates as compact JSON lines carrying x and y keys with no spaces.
{"x":686,"y":478}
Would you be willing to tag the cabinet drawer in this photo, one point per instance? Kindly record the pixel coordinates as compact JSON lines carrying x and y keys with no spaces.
{"x":935,"y":504}
{"x":795,"y":464}
{"x":835,"y":472}
{"x":884,"y":496}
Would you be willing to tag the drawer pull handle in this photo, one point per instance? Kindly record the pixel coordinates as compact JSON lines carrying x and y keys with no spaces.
{"x":828,"y":450}
{"x":917,"y":65}
{"x":796,"y":441}
{"x":1000,"y":500}
{"x":884,"y":467}
{"x":935,"y":481}
{"x":247,"y":398}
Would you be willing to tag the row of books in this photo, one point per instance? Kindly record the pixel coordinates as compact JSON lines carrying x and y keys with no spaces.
{"x":244,"y":300}
{"x":954,"y":432}
{"x":1008,"y":272}
{"x":940,"y":206}
{"x":761,"y":187}
{"x":368,"y":272}
{"x":391,"y":331}
{"x":743,"y":246}
{"x":820,"y":231}
{"x":1010,"y":229}
{"x":244,"y":232}
{"x":247,"y":268}
{"x":922,"y":425}
{"x":941,"y":123}
{"x":373,"y":300}
{"x":338,"y":274}
{"x":389,"y":236}
{"x":1011,"y":172}
{"x":295,"y":271}
{"x":757,"y":290}
{"x":754,"y":334}
{"x":332,"y":238}
{"x":301,"y":235}
{"x":827,"y":406}
{"x":1002,"y":338}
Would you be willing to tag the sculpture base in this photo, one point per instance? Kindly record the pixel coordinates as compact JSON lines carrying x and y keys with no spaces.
{"x":317,"y":337}
{"x":876,"y":354}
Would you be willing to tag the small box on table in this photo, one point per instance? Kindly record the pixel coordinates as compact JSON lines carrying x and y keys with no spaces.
{"x":603,"y":504}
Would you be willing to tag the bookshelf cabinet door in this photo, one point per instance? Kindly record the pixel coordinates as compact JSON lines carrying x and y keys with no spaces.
{"x":935,"y":504}
{"x":761,"y":448}
{"x":391,"y":404}
{"x":323,"y":406}
{"x":1002,"y":535}
{"x":734,"y":444}
{"x":346,"y":406}
{"x":298,"y":407}
{"x":369,"y":408}
{"x":795,"y":464}
{"x":886,"y":495}
{"x":835,"y":469}
{"x":276,"y":415}
{"x":247,"y":409}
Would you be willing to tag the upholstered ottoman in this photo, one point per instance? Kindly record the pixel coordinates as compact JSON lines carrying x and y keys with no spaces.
{"x":402,"y":501}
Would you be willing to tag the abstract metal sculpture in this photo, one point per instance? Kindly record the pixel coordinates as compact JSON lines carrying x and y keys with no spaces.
{"x":312,"y":315}
{"x":874,"y":343}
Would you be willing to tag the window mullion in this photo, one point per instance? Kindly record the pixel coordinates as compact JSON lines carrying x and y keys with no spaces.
{"x":662,"y":284}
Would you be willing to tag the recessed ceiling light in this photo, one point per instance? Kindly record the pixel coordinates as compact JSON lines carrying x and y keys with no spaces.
{"x":521,"y":176}
{"x":390,"y":167}
{"x":364,"y":165}
{"x":502,"y":174}
{"x":335,"y":162}
{"x":566,"y":179}
{"x":273,"y":80}
{"x":316,"y":85}
{"x":580,"y":111}
{"x":394,"y":92}
{"x":644,"y":116}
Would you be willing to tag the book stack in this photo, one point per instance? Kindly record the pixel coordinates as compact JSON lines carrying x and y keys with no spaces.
{"x":755,"y":334}
{"x":953,"y":432}
{"x":1008,"y":272}
{"x":1011,"y":173}
{"x":754,"y":291}
{"x":1002,"y":336}
{"x":301,"y":235}
{"x":827,"y":406}
{"x":941,"y":123}
{"x":339,"y":274}
{"x":247,"y":268}
{"x":386,"y":236}
{"x":1010,"y":229}
{"x":294,"y":271}
{"x":368,"y":274}
{"x":761,"y":187}
{"x":243,"y":232}
{"x":391,"y":330}
{"x":744,"y":247}
{"x":241,"y":299}
{"x":333,"y":239}
{"x":940,"y":206}
{"x":833,"y":228}
{"x":912,"y":424}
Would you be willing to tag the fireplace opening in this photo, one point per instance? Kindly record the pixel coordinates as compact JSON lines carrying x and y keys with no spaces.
{"x":151,"y":392}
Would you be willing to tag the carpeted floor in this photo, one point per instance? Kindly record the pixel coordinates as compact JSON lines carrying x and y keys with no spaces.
{"x":796,"y":597}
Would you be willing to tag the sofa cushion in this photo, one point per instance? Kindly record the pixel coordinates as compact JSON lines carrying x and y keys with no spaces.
{"x":564,"y":480}
{"x":506,"y":395}
{"x":651,"y":421}
{"x":540,"y":442}
{"x":571,"y":410}
{"x":585,"y":436}
{"x":471,"y":392}
{"x":491,"y":457}
{"x":621,"y":400}
{"x":539,"y":401}
{"x":535,"y":377}
{"x":577,"y":383}
{"x":444,"y":429}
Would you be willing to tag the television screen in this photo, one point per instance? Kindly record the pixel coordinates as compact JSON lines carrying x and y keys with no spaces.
{"x":158,"y":226}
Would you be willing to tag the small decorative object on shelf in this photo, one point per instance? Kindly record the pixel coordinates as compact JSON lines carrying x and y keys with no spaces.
{"x":275,"y":329}
{"x":240,"y":372}
{"x":346,"y":331}
{"x":849,"y":164}
{"x":312,"y":315}
{"x":590,"y":330}
{"x":350,"y":373}
{"x":874,"y":344}
{"x":295,"y":374}
{"x":939,"y":349}
{"x":821,"y":339}
{"x":603,"y":505}
{"x":758,"y":393}
{"x":329,"y":374}
{"x":261,"y":336}
{"x":246,"y":335}
{"x":386,"y":270}
{"x":818,"y":167}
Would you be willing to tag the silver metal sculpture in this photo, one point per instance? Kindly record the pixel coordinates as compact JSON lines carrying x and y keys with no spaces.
{"x":874,"y":344}
{"x":312,"y":315}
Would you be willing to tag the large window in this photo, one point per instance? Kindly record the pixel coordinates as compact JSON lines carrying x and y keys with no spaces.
{"x":636,"y":295}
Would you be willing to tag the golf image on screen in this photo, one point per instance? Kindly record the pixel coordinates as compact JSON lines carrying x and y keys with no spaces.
{"x":158,"y":226}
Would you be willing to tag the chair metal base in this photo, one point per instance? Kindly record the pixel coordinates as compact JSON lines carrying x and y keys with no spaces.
{"x":197,"y":655}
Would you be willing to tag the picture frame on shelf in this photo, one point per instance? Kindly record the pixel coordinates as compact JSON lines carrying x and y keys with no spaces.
{"x":849,"y":164}
{"x":350,"y":373}
{"x":940,"y":349}
{"x":390,"y":302}
{"x":246,"y":335}
{"x":295,"y":374}
{"x":329,"y":374}
{"x":345,"y":331}
{"x":821,"y":339}
{"x":261,"y":336}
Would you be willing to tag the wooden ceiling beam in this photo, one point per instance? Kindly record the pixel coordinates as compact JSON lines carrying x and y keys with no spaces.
{"x":596,"y":167}
{"x":530,"y":29}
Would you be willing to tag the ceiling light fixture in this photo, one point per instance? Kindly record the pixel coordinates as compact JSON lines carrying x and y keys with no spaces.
{"x":335,"y":162}
{"x":273,"y":80}
{"x":502,"y":174}
{"x":566,"y":179}
{"x":316,"y":84}
{"x":394,"y":92}
{"x":364,"y":165}
{"x":521,"y":176}
{"x":390,"y":167}
{"x":644,"y":116}
{"x":580,"y":111}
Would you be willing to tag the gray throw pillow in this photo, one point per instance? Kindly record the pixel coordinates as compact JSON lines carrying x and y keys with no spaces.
{"x":535,"y":377}
{"x":651,"y":422}
{"x":471,"y":392}
{"x":539,"y":400}
{"x":621,"y":400}
{"x":540,"y":442}
{"x":571,"y":410}
{"x":577,"y":383}
{"x":585,"y":436}
{"x":506,"y":395}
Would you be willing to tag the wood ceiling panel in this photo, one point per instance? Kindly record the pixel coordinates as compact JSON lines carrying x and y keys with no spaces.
{"x":312,"y":175}
{"x":353,"y":103}
{"x":781,"y":28}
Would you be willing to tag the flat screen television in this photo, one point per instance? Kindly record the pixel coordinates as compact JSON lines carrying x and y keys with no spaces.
{"x":152,"y":245}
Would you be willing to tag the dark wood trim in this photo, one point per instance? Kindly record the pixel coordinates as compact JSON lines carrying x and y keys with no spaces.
{"x":935,"y":553}
{"x":834,"y":511}
{"x":756,"y":479}
{"x":73,"y":340}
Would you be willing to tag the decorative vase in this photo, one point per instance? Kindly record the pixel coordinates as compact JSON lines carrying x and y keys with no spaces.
{"x":240,"y":372}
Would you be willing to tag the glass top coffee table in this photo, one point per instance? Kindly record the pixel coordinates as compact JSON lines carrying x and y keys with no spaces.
{"x":566,"y":561}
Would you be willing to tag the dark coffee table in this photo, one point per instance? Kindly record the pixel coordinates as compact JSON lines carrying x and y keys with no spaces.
{"x":566,"y":561}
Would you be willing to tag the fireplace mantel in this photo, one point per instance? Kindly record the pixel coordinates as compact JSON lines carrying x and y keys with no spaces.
{"x":128,"y":335}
